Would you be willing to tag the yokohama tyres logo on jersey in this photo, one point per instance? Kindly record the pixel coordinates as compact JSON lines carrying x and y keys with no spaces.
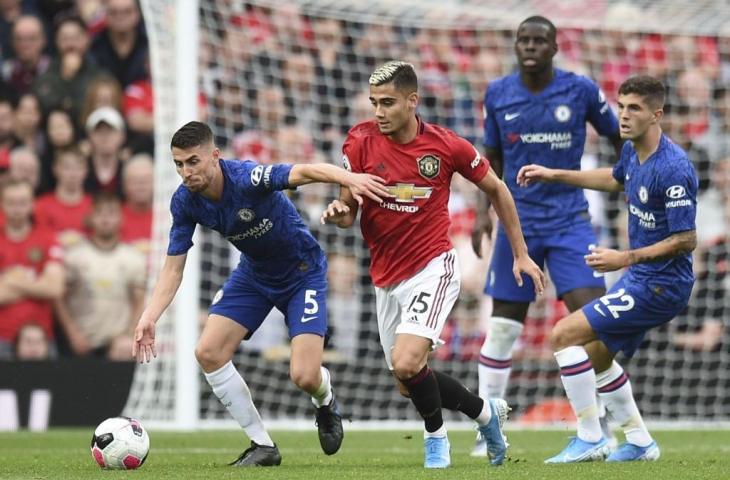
{"x":557,"y":140}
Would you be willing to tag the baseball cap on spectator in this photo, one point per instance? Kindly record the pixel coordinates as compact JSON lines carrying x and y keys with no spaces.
{"x":107,"y":115}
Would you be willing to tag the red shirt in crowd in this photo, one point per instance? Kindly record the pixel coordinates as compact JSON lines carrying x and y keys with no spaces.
{"x":34,"y":253}
{"x":407,"y":231}
{"x":51,"y":213}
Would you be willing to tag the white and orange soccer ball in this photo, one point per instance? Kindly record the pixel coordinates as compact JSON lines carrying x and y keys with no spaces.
{"x":120,"y":443}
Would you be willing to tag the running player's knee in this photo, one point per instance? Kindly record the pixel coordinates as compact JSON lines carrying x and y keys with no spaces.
{"x":405,"y":367}
{"x":209,"y":359}
{"x":304,"y":378}
{"x":560,"y":337}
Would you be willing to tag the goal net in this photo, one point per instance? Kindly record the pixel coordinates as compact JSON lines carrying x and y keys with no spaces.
{"x":285,"y":80}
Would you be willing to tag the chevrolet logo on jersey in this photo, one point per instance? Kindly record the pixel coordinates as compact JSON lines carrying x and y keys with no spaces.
{"x":407,"y":192}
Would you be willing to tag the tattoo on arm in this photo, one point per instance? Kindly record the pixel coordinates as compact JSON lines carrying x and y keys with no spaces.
{"x":679,"y":244}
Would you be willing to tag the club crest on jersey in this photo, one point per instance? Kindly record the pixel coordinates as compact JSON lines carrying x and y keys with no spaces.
{"x":643,"y":194}
{"x":246,"y":214}
{"x":429,"y":166}
{"x":562,"y":113}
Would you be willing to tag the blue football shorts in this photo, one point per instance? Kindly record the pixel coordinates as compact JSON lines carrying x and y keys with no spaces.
{"x":562,"y":252}
{"x":247,"y":300}
{"x":632,"y":307}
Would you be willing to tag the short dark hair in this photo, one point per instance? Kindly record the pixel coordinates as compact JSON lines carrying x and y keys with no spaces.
{"x":542,"y":21}
{"x":192,"y":134}
{"x":105,"y":198}
{"x":72,"y":150}
{"x":68,"y":17}
{"x":649,"y":88}
{"x":401,"y":74}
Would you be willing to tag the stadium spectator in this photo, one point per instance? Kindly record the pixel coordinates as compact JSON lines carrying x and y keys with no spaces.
{"x":67,"y":79}
{"x":103,"y":91}
{"x":104,"y":284}
{"x":106,"y":131}
{"x":61,"y":134}
{"x":25,"y":165}
{"x":8,"y":141}
{"x":31,"y":272}
{"x":138,"y":180}
{"x":32,"y":343}
{"x":712,"y":221}
{"x":65,"y":209}
{"x":28,"y":128}
{"x":29,"y":40}
{"x":121,"y":48}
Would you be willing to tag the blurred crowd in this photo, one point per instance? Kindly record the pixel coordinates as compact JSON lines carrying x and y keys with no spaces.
{"x":279,"y":85}
{"x":76,"y":177}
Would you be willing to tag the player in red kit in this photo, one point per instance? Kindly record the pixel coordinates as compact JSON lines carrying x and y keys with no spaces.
{"x":413,"y":264}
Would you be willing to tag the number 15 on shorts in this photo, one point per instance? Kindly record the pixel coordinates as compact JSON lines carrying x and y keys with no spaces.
{"x":419,"y":303}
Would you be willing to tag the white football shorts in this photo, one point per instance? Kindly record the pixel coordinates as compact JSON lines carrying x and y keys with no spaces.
{"x":419,"y":305}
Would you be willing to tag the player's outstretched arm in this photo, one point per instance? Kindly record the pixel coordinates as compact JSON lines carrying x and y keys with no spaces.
{"x":143,"y":348}
{"x":483,"y":224}
{"x":598,"y":179}
{"x":607,"y":260}
{"x":341,"y":212}
{"x":360,"y":184}
{"x":504,"y":205}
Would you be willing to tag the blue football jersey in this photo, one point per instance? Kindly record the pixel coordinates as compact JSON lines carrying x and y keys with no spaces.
{"x":661,"y":195}
{"x":253,"y":214}
{"x":548,"y":128}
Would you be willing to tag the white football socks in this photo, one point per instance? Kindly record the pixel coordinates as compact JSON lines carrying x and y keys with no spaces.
{"x":614,"y":388}
{"x":323,"y":395}
{"x":495,"y":359}
{"x":230,"y":388}
{"x":579,"y":380}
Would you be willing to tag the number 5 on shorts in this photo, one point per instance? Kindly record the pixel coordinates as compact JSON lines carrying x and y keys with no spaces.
{"x":418,"y":304}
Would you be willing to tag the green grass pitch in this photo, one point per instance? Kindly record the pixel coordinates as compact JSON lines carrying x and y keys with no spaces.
{"x":64,"y":454}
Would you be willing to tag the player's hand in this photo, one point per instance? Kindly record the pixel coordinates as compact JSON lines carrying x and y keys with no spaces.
{"x":525,"y":264}
{"x":482,"y":227}
{"x":532,"y":173}
{"x":143,"y":348}
{"x":335,"y":212}
{"x":606,"y":259}
{"x":371,"y":186}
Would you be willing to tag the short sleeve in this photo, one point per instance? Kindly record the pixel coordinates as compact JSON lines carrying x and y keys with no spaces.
{"x":468,"y":161}
{"x":183,"y":227}
{"x":492,"y":138}
{"x":600,"y":114}
{"x":351,"y":155}
{"x":267,"y":178}
{"x":680,"y":198}
{"x":619,"y":170}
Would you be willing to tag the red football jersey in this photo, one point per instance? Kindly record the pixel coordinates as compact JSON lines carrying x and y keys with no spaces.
{"x":407,"y":231}
{"x":50,"y":213}
{"x":33,"y":252}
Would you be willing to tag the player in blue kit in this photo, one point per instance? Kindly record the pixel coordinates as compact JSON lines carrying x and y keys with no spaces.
{"x":537,"y":115}
{"x":281,"y":266}
{"x":661,"y":188}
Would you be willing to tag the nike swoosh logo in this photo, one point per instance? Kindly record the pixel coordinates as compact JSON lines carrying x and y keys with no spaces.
{"x":306,"y":319}
{"x":598,"y":309}
{"x":510,"y":116}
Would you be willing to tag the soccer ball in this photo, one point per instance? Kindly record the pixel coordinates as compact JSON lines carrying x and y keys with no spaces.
{"x":120,"y":443}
